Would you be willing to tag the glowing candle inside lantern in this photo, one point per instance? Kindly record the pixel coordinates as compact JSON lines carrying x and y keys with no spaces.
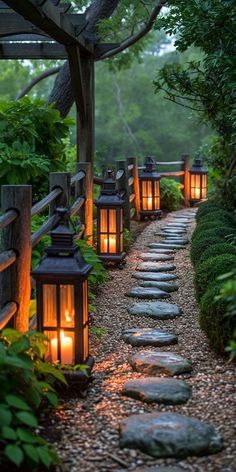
{"x":197,"y":193}
{"x":149,"y":203}
{"x":112,"y":244}
{"x":66,"y":349}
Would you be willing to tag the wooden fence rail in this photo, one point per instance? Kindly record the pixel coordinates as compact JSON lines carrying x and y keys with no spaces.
{"x":74,"y":192}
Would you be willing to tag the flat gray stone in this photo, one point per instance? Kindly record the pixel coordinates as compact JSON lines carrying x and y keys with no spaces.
{"x":164,"y":245}
{"x":166,"y":286}
{"x":157,"y":310}
{"x":155,"y":363}
{"x":184,"y":217}
{"x":145,"y":292}
{"x":149,"y":256}
{"x":154,"y":276}
{"x":169,"y":435}
{"x":180,"y":242}
{"x":180,"y":220}
{"x":158,"y":390}
{"x":182,"y":226}
{"x":148,"y":337}
{"x":161,"y":251}
{"x":179,"y":234}
{"x":152,"y":267}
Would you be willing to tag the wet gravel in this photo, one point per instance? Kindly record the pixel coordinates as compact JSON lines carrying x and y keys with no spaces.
{"x":85,"y":430}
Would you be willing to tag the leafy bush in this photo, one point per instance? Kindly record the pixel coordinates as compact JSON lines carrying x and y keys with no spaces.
{"x":217,"y":250}
{"x":171,"y":195}
{"x":210,"y":269}
{"x":213,"y":319}
{"x":201,"y":245}
{"x":128,"y":239}
{"x":221,"y":231}
{"x":202,"y":228}
{"x":228,"y":296}
{"x":217,"y":215}
{"x":31,"y":143}
{"x":26,"y":385}
{"x":205,"y":208}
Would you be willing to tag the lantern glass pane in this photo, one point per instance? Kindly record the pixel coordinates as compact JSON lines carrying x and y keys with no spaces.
{"x":147,"y":197}
{"x":157,"y":195}
{"x":62,"y":351}
{"x":108,"y":243}
{"x":204,"y":185}
{"x":195,"y":186}
{"x":86,"y":342}
{"x":85,"y":302}
{"x":67,"y":304}
{"x":103,"y":221}
{"x":112,"y":220}
{"x":121,"y":219}
{"x":50,"y":305}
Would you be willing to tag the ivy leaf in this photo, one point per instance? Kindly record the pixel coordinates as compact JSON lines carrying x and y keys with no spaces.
{"x":8,"y":433}
{"x":5,"y":416}
{"x":14,"y":454}
{"x":27,"y":418}
{"x":44,"y":456}
{"x":31,"y":452}
{"x":17,"y":402}
{"x":26,"y":436}
{"x":52,"y":398}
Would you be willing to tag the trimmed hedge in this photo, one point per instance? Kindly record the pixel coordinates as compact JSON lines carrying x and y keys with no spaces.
{"x":209,"y":270}
{"x":205,"y":208}
{"x":221,"y":230}
{"x":217,"y":215}
{"x":212,"y":318}
{"x":202,"y":228}
{"x":201,"y":243}
{"x":217,"y":250}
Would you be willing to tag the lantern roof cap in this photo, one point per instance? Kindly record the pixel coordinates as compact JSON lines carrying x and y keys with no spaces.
{"x":109,"y":195}
{"x":149,"y":172}
{"x":198,"y":166}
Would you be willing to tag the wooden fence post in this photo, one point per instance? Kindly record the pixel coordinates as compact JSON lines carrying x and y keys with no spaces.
{"x":133,"y":161}
{"x":123,"y":188}
{"x":62,"y":180}
{"x":186,"y":166}
{"x":17,"y":236}
{"x":86,"y":213}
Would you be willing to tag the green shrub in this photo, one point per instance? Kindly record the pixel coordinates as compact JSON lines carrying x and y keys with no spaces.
{"x":213,"y":320}
{"x":171,"y":195}
{"x":210,"y":269}
{"x":217,"y":215}
{"x":217,"y":250}
{"x":26,"y":386}
{"x":228,"y":295}
{"x":205,"y":208}
{"x":200,"y":244}
{"x":221,"y":231}
{"x":201,"y":228}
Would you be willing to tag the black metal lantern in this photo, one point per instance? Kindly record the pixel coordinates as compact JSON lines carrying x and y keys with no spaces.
{"x":198,"y":182}
{"x":150,"y":189}
{"x":110,"y":222}
{"x":62,"y":298}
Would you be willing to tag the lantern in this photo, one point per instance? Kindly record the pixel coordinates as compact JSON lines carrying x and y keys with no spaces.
{"x":110,"y":222}
{"x":198,"y":182}
{"x":62,"y":297}
{"x":150,"y":189}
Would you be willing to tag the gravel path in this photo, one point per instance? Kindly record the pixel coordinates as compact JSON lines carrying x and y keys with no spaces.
{"x":86,"y":430}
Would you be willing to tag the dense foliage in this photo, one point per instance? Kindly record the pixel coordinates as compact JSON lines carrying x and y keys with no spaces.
{"x":171,"y":195}
{"x":213,"y":256}
{"x":31,"y":143}
{"x":27,"y":386}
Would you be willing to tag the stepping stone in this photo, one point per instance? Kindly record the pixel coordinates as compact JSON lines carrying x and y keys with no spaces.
{"x":163,"y":245}
{"x":154,"y":276}
{"x":149,"y":256}
{"x":156,"y":310}
{"x":151,"y":267}
{"x":180,"y":234}
{"x":155,"y":363}
{"x":180,"y":220}
{"x":158,"y":390}
{"x":175,"y":225}
{"x":169,"y":435}
{"x":162,"y":251}
{"x":145,"y":292}
{"x":148,"y":337}
{"x":167,"y":287}
{"x":176,"y":241}
{"x":184,"y":217}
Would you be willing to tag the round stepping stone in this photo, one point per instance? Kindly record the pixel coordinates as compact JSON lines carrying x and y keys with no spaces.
{"x":157,"y":310}
{"x":167,"y":287}
{"x":169,"y":435}
{"x":145,"y":292}
{"x":157,"y":251}
{"x":149,"y":256}
{"x":151,"y":267}
{"x":175,"y":226}
{"x":155,"y":363}
{"x":162,"y":390}
{"x":163,"y":245}
{"x":154,"y":276}
{"x":161,"y":251}
{"x":148,"y":337}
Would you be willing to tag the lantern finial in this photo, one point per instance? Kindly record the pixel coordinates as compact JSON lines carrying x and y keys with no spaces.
{"x":62,"y":237}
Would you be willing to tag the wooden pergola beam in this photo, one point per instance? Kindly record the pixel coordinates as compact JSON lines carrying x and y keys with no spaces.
{"x":49,"y":19}
{"x":76,"y":74}
{"x":32,"y":51}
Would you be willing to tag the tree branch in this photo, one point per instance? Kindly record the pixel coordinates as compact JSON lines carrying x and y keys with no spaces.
{"x":36,"y":80}
{"x":140,"y":34}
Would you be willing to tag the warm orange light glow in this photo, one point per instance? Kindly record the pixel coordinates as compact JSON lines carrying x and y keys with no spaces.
{"x":108,"y":245}
{"x":66,"y":349}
